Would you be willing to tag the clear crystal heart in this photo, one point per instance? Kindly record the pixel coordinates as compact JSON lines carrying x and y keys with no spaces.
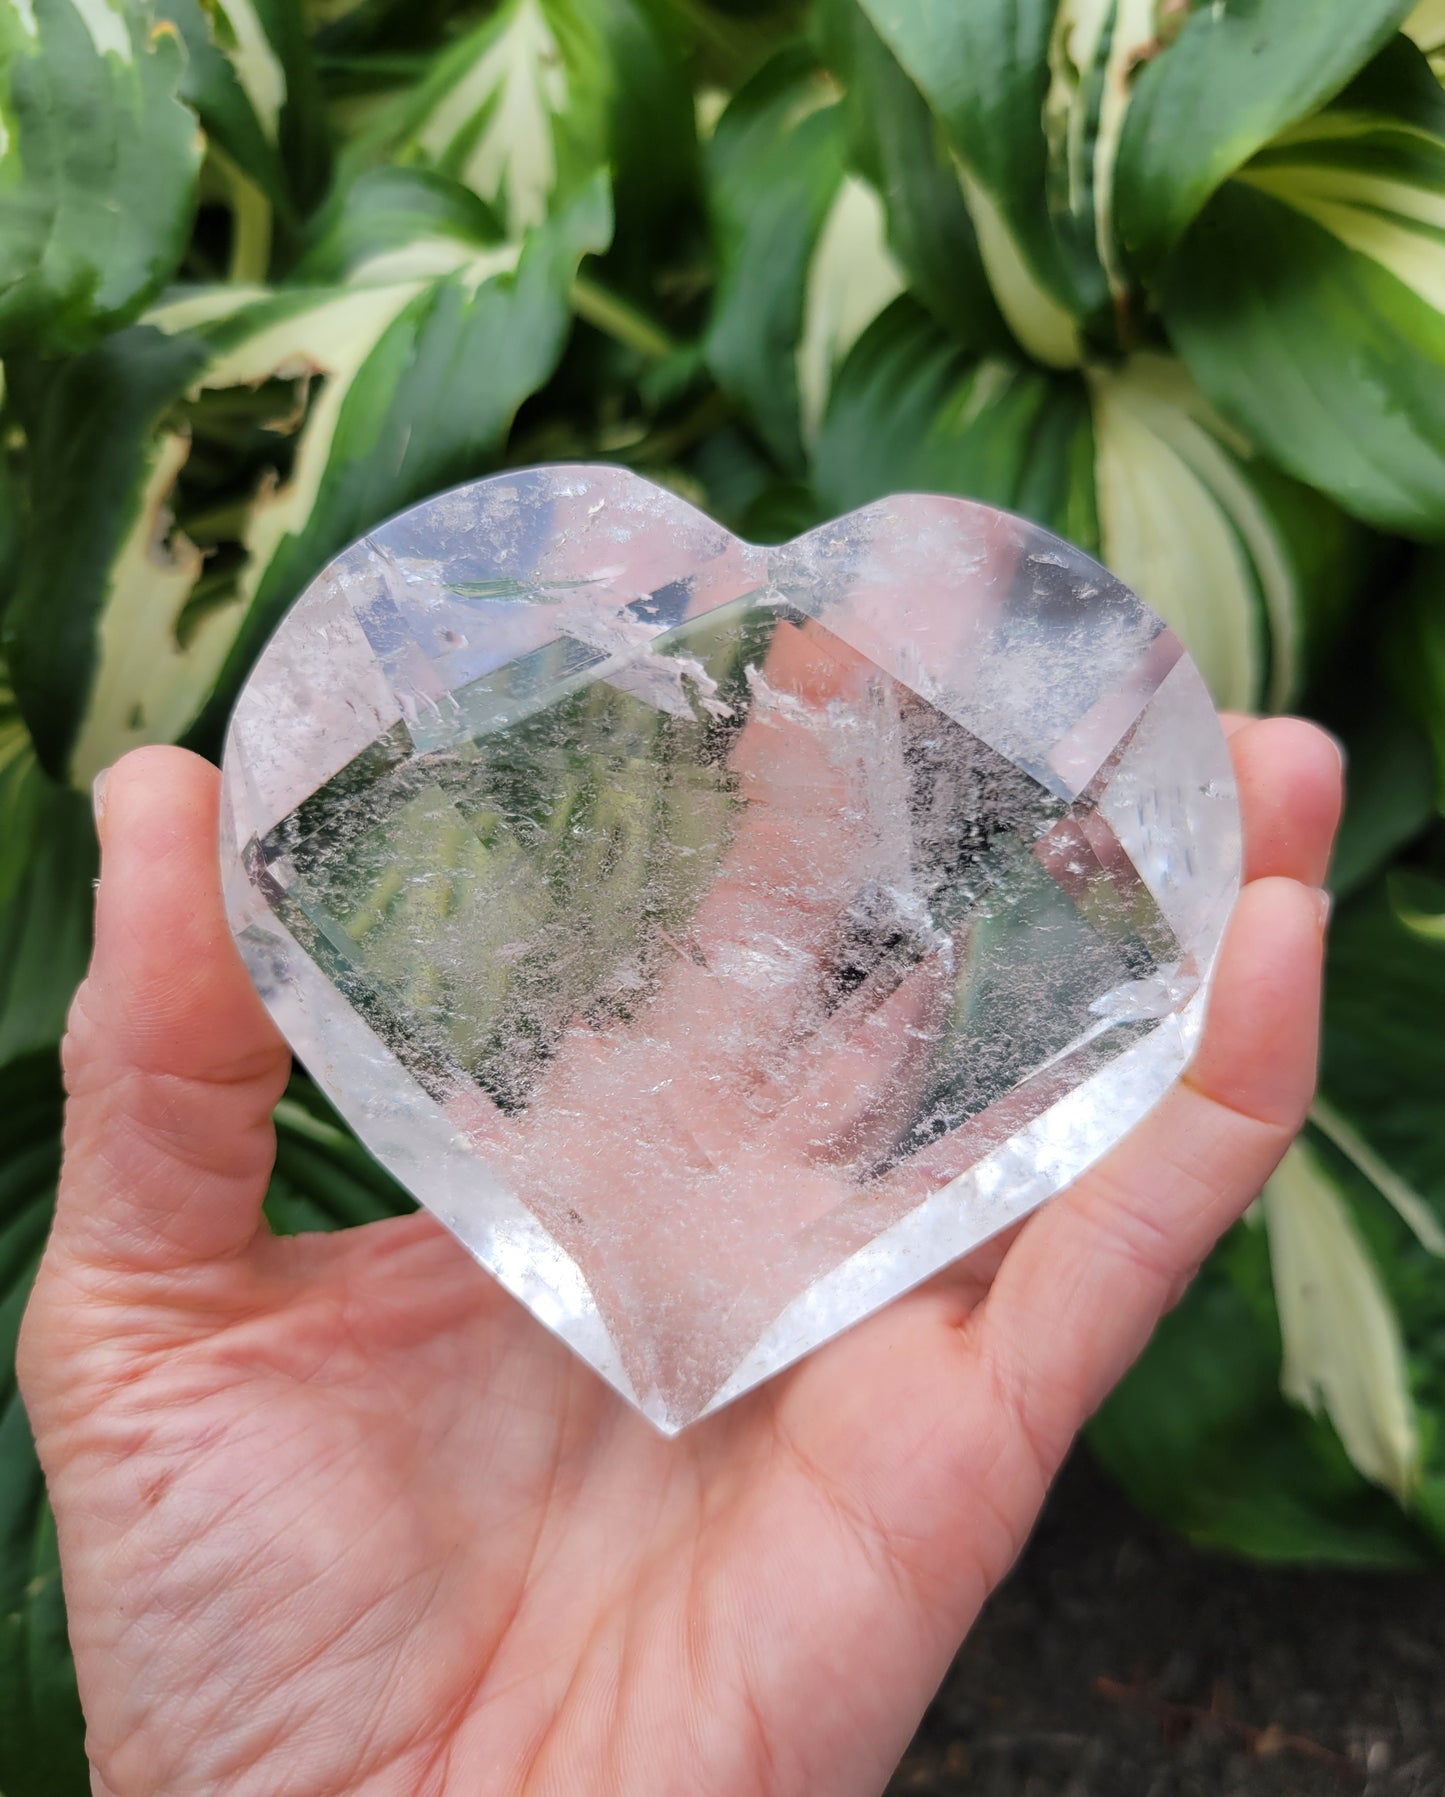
{"x":720,"y":940}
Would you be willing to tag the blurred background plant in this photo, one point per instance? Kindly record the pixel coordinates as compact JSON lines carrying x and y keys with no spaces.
{"x":1169,"y":278}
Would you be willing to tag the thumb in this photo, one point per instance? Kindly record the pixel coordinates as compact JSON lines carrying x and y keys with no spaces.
{"x":172,"y":1065}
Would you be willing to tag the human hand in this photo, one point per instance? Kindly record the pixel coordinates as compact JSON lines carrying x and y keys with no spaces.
{"x":337,"y":1516}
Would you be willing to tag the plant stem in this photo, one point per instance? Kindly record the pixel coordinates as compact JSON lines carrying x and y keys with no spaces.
{"x":619,"y":319}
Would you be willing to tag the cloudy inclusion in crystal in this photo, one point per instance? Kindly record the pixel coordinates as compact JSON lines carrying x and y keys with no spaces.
{"x":719,"y":940}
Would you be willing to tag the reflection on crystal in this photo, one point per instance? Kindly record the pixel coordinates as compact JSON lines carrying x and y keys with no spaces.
{"x":762,"y":928}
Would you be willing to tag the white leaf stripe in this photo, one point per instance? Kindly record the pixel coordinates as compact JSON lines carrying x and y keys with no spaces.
{"x":851,"y":278}
{"x":1181,"y":523}
{"x":1376,"y":185}
{"x":147,"y":688}
{"x":1092,"y":55}
{"x":1044,"y":328}
{"x":1344,"y":1353}
{"x":258,"y":68}
{"x":497,"y":120}
{"x":107,"y":28}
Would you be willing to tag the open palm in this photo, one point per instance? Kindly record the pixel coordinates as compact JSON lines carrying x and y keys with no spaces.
{"x":336,"y":1516}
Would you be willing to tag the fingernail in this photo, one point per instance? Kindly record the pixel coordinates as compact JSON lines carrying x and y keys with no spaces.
{"x":97,"y":797}
{"x":1325,"y":901}
{"x":1339,"y":749}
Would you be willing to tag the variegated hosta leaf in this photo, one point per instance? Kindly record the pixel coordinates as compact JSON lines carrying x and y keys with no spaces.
{"x":504,"y":112}
{"x":1356,"y":1224}
{"x":1215,"y":86}
{"x":1201,"y":1436}
{"x":850,"y":279}
{"x":1309,"y":298}
{"x":804,"y":261}
{"x":1128,"y":461}
{"x":912,"y":411}
{"x":1243,"y":563}
{"x":1344,"y":1351}
{"x":1017,"y":98}
{"x":894,"y":142}
{"x":250,"y":76}
{"x":1094,"y":51}
{"x":397,"y":221}
{"x":1382,"y":1074}
{"x":98,"y":162}
{"x":248,"y":436}
{"x":536,"y":98}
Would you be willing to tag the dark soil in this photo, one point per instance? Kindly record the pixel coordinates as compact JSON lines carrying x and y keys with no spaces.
{"x":1120,"y":1662}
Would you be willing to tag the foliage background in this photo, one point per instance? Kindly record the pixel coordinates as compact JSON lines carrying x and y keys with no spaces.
{"x":1168,"y":278}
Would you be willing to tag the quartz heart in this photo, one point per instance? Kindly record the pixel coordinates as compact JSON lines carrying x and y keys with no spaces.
{"x":719,"y":939}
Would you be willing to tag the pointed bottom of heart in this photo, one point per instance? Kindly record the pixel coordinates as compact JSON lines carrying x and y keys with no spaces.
{"x":721,"y":940}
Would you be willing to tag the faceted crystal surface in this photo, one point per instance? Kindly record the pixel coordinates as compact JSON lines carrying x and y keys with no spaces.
{"x":718,"y":939}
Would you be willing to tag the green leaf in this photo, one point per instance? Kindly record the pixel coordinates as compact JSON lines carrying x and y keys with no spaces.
{"x":985,"y":70}
{"x":850,"y":279}
{"x":1235,"y":76}
{"x":265,"y":430}
{"x":1309,"y":298}
{"x":429,"y":406}
{"x":1094,"y":50}
{"x":503,"y":113}
{"x":98,"y":163}
{"x":1390,"y":771}
{"x":1250,"y":568}
{"x":1418,"y":901}
{"x":529,"y":105}
{"x":1200,"y":1431}
{"x":650,"y":147}
{"x":894,"y":142}
{"x":47,"y":872}
{"x":12,"y":503}
{"x":1382,"y":1074}
{"x":912,"y":411}
{"x":42,"y":1731}
{"x":776,"y":176}
{"x":1128,"y":462}
{"x":251,"y":78}
{"x":1414,"y":653}
{"x":353,"y":27}
{"x":102,"y":469}
{"x":1384,"y":1052}
{"x":1343,"y":1349}
{"x":1390,"y":1185}
{"x":388,"y":213}
{"x":1202,"y":1438}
